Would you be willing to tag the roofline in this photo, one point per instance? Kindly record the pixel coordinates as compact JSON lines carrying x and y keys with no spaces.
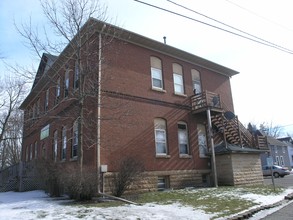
{"x":166,"y":49}
{"x":134,"y":38}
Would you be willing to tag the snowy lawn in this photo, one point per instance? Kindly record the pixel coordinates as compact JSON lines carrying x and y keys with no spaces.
{"x":207,"y":203}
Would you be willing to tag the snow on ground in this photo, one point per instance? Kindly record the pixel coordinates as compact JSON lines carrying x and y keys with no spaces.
{"x":36,"y":204}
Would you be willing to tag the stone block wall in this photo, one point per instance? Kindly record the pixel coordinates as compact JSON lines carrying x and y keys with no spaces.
{"x":239,"y":169}
{"x":177,"y":179}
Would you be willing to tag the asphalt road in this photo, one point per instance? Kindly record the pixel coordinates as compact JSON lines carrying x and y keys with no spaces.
{"x":286,"y":181}
{"x":285,"y":213}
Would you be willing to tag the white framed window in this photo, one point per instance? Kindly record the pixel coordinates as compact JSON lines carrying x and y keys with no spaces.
{"x":156,"y":73}
{"x":36,"y":150}
{"x":66,"y":83}
{"x":45,"y":132}
{"x":31,"y":152}
{"x":183,"y":138}
{"x":55,"y":146}
{"x":46,"y":103}
{"x":27,"y":154}
{"x":76,"y":76}
{"x":64,"y":143}
{"x":44,"y":154}
{"x":277,"y":160}
{"x":38,"y":107}
{"x":282,"y":161}
{"x":178,"y":79}
{"x":58,"y":88}
{"x":196,"y":83}
{"x":202,"y":140}
{"x":160,"y":136}
{"x":75,"y":139}
{"x":34,"y":110}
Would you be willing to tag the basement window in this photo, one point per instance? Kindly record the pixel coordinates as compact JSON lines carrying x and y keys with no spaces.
{"x":163,"y":183}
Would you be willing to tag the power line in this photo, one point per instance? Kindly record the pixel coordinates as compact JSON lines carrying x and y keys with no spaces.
{"x":216,"y":27}
{"x":260,"y":16}
{"x":222,"y":23}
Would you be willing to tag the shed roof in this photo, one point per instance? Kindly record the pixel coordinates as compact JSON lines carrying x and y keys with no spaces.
{"x":231,"y":148}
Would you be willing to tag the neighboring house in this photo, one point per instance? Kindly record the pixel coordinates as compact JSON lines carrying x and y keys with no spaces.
{"x":151,"y":102}
{"x":289,"y":142}
{"x":278,"y":151}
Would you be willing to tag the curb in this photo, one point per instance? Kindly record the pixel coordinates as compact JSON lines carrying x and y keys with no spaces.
{"x":250,"y":213}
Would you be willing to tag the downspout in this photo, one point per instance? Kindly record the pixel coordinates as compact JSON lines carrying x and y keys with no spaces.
{"x":99,"y":126}
{"x":99,"y":111}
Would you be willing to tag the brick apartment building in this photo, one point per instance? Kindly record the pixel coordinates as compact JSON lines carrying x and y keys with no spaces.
{"x":146,"y":100}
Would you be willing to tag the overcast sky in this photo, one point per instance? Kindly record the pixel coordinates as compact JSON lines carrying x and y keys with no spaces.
{"x":262,"y":91}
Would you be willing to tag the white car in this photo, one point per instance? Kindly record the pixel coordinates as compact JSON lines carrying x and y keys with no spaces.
{"x":278,"y":171}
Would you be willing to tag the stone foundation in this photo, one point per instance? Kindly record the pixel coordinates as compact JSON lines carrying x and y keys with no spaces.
{"x":177,"y":179}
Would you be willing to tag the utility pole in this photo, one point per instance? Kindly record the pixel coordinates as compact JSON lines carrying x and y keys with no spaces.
{"x":211,"y":139}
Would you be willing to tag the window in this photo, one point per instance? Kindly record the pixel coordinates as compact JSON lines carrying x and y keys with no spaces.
{"x":55,"y":145}
{"x":38,"y":107}
{"x":31,"y":152}
{"x":196,"y":81}
{"x":64,"y":142}
{"x":281,"y":161}
{"x":178,"y":79}
{"x":27,"y":153}
{"x":35,"y":110}
{"x":277,"y":160}
{"x":183,"y":138}
{"x":76,"y":76}
{"x":156,"y":71}
{"x":46,"y":103}
{"x":75,"y":140}
{"x":45,"y":132}
{"x":202,"y":141}
{"x":160,"y":136}
{"x":163,"y":183}
{"x":57,"y":91}
{"x":36,"y":150}
{"x":66,"y":83}
{"x":44,"y":155}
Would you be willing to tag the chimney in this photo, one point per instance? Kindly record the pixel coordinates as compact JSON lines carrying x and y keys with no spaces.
{"x":164,"y":39}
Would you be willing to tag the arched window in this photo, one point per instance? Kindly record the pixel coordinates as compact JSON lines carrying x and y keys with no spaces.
{"x":202,"y":140}
{"x":183,"y":138}
{"x":64,"y":143}
{"x":66,"y":82}
{"x":74,"y":147}
{"x":36,"y":150}
{"x":57,"y":91}
{"x":156,"y":71}
{"x":76,"y":76}
{"x":160,"y":136}
{"x":55,"y":145}
{"x":178,"y":79}
{"x":195,"y":75}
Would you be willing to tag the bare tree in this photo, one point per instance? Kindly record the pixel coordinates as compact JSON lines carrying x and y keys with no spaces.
{"x":271,"y":130}
{"x":72,"y":29}
{"x":11,"y":121}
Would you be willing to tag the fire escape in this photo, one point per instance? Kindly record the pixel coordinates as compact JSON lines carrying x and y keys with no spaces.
{"x":225,"y":125}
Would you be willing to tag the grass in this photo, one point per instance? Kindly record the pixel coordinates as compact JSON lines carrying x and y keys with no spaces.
{"x":221,"y":201}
